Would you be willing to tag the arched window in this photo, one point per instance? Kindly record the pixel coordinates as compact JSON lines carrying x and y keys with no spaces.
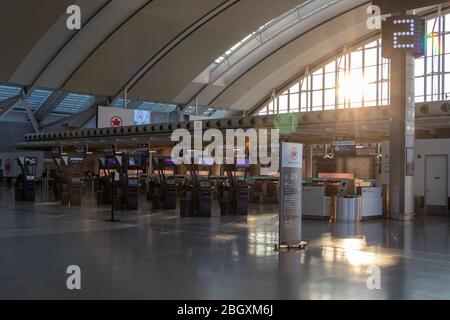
{"x":360,"y":78}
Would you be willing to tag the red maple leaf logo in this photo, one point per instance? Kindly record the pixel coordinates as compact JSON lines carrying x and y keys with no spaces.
{"x":8,"y":166}
{"x":116,"y":122}
{"x":294,"y":153}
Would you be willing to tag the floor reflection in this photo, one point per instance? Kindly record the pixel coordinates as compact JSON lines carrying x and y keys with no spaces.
{"x":158,"y":255}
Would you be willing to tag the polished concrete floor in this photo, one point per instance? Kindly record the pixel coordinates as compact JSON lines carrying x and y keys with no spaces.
{"x":157,"y":255}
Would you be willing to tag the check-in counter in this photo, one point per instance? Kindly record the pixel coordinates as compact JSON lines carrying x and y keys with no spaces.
{"x":372,"y":202}
{"x":315,"y":204}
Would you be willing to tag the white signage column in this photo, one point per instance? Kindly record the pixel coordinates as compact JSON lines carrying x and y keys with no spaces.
{"x":291,"y":195}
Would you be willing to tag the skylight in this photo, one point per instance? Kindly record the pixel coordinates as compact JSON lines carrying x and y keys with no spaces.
{"x":157,"y":107}
{"x":73,"y":103}
{"x":37,"y":98}
{"x":7,"y":92}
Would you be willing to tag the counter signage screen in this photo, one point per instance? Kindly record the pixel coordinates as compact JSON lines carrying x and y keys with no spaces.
{"x":242,"y":163}
{"x":109,"y":151}
{"x":56,"y":152}
{"x":142,"y":150}
{"x":31,"y":161}
{"x":134,"y":162}
{"x":81,"y":151}
{"x":110,"y":163}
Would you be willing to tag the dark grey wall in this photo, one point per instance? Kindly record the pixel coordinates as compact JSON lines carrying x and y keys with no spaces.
{"x":12,"y":133}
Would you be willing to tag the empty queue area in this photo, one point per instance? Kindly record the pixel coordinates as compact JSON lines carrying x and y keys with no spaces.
{"x":123,"y":180}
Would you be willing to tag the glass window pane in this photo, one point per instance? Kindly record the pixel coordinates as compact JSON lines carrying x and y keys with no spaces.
{"x":447,"y":86}
{"x":331,"y":67}
{"x":294,"y":102}
{"x":305,"y":84}
{"x":356,"y":59}
{"x":304,"y":101}
{"x":446,"y":63}
{"x":317,"y":82}
{"x":447,"y":43}
{"x":371,"y":44}
{"x":370,"y":95}
{"x":420,"y":86}
{"x":330,"y":98}
{"x":317,"y":102}
{"x":420,"y":67}
{"x":282,"y":103}
{"x":330,"y":80}
{"x":385,"y":70}
{"x":370,"y":57}
{"x":295,"y":88}
{"x":447,"y":23}
{"x":370,"y":75}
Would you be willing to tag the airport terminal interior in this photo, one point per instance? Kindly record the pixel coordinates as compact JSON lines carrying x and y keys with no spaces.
{"x":225,"y":149}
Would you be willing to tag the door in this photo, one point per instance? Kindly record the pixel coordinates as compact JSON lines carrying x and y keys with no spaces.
{"x":436,"y":184}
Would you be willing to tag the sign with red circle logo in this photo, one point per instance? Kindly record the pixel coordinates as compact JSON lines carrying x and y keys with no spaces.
{"x":116,"y":122}
{"x":294,"y":153}
{"x":8,"y":166}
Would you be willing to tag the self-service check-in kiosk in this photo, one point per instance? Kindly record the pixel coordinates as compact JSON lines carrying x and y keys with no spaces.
{"x":163,"y":189}
{"x":134,"y":165}
{"x":104,"y":185}
{"x":234,"y":192}
{"x":25,"y":187}
{"x":65,"y":183}
{"x":196,"y":200}
{"x":75,"y":173}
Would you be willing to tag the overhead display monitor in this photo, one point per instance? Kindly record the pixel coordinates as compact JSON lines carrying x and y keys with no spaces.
{"x":109,"y":117}
{"x":344,"y":146}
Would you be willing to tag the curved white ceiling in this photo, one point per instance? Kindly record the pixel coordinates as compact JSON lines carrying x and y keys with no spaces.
{"x":119,"y":38}
{"x":52,"y":43}
{"x":23,"y":23}
{"x":128,"y":49}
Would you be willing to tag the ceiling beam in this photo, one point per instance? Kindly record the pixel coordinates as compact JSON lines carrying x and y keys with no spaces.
{"x":79,"y":119}
{"x":9,"y":104}
{"x":30,"y":114}
{"x":49,"y":105}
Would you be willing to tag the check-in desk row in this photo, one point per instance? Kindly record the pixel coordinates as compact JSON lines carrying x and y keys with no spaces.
{"x":317,"y":205}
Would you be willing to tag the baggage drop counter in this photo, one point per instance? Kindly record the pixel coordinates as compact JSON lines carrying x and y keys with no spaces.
{"x":316,"y":205}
